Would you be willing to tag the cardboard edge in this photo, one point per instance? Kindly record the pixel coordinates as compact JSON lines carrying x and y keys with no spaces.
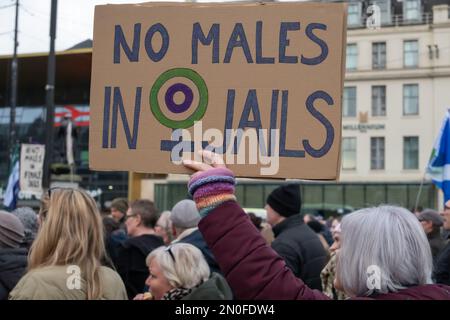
{"x":91,"y":136}
{"x":344,"y":7}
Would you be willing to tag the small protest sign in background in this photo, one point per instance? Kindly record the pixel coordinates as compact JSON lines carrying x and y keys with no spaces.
{"x":31,"y":168}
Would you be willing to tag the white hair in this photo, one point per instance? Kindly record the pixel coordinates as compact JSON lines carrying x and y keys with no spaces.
{"x":186,"y":269}
{"x":387,"y":239}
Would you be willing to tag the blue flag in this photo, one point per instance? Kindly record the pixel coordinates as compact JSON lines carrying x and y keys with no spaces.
{"x":12,"y":190}
{"x":439,"y":165}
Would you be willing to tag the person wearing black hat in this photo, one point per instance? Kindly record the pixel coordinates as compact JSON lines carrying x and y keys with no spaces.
{"x":13,"y":258}
{"x":299,"y":246}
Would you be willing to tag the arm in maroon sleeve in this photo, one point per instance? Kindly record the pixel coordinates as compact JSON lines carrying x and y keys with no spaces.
{"x":251,"y":267}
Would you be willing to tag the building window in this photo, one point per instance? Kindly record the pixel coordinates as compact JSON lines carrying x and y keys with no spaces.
{"x":349,"y":153}
{"x":385,"y":8}
{"x":349,"y":102}
{"x":377,"y":153}
{"x":379,"y":55}
{"x":352,"y":56}
{"x":378,"y":101}
{"x":410,"y":99}
{"x":410,"y":152}
{"x":354,"y":14}
{"x":411,"y":10}
{"x":411,"y":53}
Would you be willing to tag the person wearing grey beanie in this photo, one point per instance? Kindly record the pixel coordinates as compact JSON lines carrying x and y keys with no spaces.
{"x":13,"y":259}
{"x":11,"y":231}
{"x":185,"y":218}
{"x":29,"y":219}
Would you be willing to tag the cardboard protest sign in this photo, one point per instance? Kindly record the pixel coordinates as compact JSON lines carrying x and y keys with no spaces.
{"x":259,"y":83}
{"x":31,"y":168}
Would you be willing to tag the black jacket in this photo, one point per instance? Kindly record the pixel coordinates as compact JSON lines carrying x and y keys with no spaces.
{"x":131,"y":264}
{"x":13,"y":264}
{"x":196,"y":239}
{"x":301,"y":248}
{"x":442,"y":267}
{"x":437,"y":243}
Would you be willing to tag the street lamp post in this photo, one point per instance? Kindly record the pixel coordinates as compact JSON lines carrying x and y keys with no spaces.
{"x":50,"y":97}
{"x":14,"y":76}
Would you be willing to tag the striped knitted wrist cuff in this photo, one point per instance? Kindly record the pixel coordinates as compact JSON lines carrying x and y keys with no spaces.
{"x":213,"y":202}
{"x":211,"y":188}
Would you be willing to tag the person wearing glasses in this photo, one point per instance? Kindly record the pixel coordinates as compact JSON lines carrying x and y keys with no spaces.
{"x":140,"y":221}
{"x":384,"y":252}
{"x":180,"y":272}
{"x":65,"y":259}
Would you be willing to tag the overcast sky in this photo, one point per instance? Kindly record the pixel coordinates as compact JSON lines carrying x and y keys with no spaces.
{"x":75,"y":23}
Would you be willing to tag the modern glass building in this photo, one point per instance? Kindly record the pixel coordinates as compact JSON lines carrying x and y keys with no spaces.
{"x":73,"y":69}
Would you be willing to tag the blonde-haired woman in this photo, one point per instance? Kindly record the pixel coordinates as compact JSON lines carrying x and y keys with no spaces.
{"x":180,"y":272}
{"x":65,"y":259}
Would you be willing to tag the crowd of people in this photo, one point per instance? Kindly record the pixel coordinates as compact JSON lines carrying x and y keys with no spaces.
{"x":207,"y":247}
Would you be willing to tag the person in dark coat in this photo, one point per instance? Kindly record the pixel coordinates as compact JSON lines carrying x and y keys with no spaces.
{"x":140,"y":221}
{"x":375,"y":243}
{"x":294,"y":241}
{"x":114,"y":238}
{"x":185,"y":218}
{"x":442,"y":267}
{"x":13,"y":257}
{"x":432,"y":222}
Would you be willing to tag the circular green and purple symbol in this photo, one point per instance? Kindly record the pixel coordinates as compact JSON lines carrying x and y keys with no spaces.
{"x":169,"y":98}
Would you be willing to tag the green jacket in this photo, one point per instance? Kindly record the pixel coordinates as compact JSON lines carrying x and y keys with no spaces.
{"x":55,"y":283}
{"x":215,"y":288}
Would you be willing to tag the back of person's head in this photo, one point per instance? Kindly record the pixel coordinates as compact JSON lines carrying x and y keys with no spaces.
{"x":147,"y":211}
{"x":29,"y":220}
{"x":315,"y":225}
{"x":71,"y":234}
{"x":164,"y":220}
{"x":164,"y":227}
{"x":185,"y":215}
{"x":386,"y":243}
{"x":286,"y":200}
{"x":183,"y":265}
{"x":11,"y":230}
